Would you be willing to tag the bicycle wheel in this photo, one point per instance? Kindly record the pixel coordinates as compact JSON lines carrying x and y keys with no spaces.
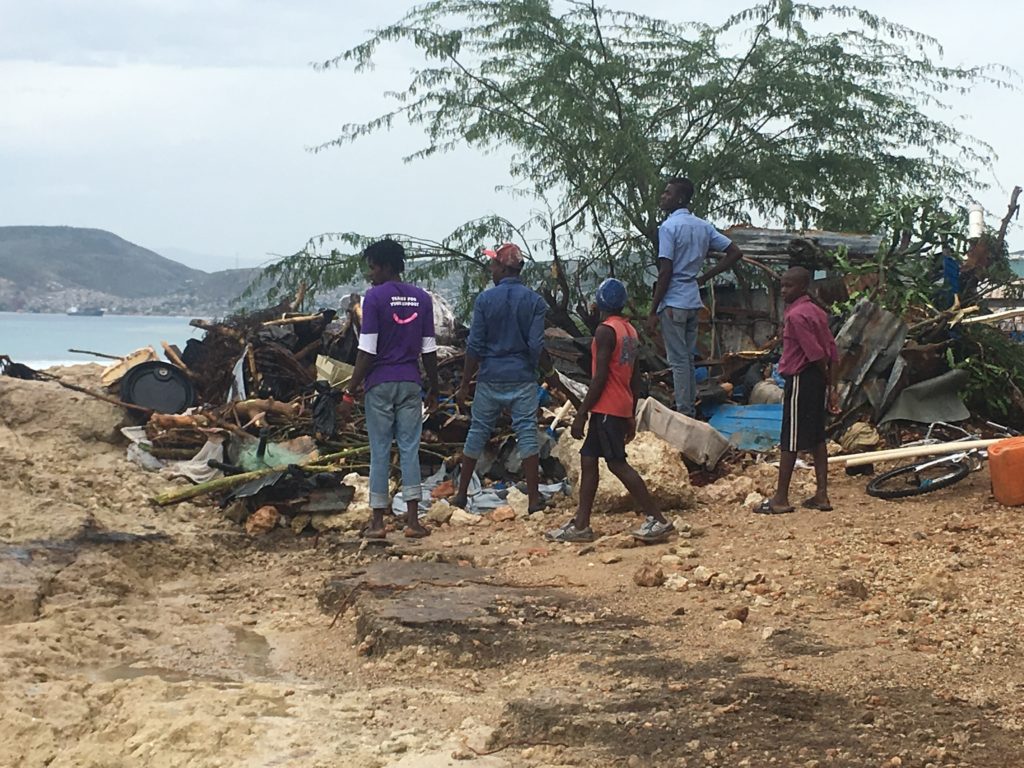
{"x":907,"y":481}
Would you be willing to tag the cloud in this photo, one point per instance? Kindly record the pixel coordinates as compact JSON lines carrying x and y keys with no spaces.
{"x":185,"y":122}
{"x":188,"y":33}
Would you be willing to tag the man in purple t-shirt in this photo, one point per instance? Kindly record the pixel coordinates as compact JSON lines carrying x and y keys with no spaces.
{"x":808,"y":354}
{"x":398,"y":328}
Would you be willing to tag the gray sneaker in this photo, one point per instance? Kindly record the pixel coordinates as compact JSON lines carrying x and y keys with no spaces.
{"x":653,"y":530}
{"x":569,"y":532}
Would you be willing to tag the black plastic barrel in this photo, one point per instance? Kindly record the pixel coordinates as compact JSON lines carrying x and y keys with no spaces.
{"x":161,"y":387}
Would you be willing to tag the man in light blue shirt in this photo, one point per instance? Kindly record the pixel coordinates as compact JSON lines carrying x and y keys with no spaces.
{"x":683,"y":244}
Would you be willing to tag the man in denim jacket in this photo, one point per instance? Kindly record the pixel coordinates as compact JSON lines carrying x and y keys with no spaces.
{"x":504,"y":350}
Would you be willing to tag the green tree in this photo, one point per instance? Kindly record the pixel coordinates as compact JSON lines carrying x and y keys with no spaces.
{"x":771,"y":114}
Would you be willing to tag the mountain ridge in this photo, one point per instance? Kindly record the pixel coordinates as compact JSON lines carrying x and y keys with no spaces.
{"x":50,"y":268}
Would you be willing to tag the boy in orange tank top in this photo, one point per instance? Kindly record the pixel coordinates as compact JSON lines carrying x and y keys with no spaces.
{"x":611,"y":404}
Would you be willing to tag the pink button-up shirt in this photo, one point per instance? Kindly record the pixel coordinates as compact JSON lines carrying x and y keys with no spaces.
{"x":806,"y":338}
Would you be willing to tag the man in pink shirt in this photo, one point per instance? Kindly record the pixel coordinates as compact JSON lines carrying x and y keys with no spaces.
{"x":808,"y":352}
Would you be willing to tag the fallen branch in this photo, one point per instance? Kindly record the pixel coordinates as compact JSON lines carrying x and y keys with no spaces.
{"x":216,"y":328}
{"x":172,"y":356}
{"x":95,"y":354}
{"x":97,"y":395}
{"x":294,"y":319}
{"x":232,"y":481}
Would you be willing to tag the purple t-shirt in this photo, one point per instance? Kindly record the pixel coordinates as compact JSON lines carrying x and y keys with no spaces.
{"x":398,"y":325}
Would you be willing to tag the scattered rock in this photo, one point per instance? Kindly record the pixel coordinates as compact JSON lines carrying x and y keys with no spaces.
{"x":586,"y":549}
{"x":461,"y":517}
{"x":611,"y":557}
{"x":739,"y":613}
{"x":262,"y":521}
{"x":730,"y":625}
{"x":237,"y":511}
{"x":853,"y":587}
{"x":440,"y":512}
{"x":783,"y":554}
{"x":616,"y":541}
{"x":752,"y":499}
{"x":703,"y":575}
{"x":935,"y":586}
{"x":660,"y":465}
{"x":649,"y":576}
{"x":960,"y":526}
{"x":767,"y":633}
{"x":443,"y":490}
{"x":519,"y":502}
{"x":671,"y":560}
{"x":677,"y":582}
{"x":501,"y":514}
{"x":299,"y":523}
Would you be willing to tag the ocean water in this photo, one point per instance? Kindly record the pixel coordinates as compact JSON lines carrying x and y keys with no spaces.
{"x":39,"y":340}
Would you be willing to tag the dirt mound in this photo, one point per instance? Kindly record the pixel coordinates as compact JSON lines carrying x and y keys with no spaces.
{"x":36,"y":409}
{"x":62,"y":462}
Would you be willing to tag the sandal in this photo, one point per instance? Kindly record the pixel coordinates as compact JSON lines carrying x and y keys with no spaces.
{"x":373,"y":533}
{"x":812,"y":504}
{"x":416,"y":533}
{"x":766,"y":508}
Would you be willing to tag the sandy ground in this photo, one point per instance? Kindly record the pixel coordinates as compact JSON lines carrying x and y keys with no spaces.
{"x":882,"y":634}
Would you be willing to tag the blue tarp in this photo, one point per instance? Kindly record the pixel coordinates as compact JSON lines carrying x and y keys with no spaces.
{"x":749,"y":427}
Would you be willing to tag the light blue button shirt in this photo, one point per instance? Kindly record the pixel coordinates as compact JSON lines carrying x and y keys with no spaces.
{"x":686,"y":240}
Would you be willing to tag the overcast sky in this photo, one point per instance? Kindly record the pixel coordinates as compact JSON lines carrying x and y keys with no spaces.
{"x":183,"y":125}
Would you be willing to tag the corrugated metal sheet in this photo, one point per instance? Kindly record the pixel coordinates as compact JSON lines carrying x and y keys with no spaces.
{"x":774,"y":244}
{"x":869,"y":343}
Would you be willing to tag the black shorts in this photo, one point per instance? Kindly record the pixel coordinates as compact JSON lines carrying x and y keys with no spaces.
{"x":803,"y":410}
{"x":606,"y":437}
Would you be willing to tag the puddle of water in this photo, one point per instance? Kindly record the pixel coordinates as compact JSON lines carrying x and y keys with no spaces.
{"x":253,"y":650}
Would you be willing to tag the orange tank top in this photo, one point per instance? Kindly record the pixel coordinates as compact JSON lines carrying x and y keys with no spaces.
{"x":617,"y":397}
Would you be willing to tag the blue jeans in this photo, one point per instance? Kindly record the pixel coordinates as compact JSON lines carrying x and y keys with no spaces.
{"x":679,"y":330}
{"x":394,"y":411}
{"x":488,"y":401}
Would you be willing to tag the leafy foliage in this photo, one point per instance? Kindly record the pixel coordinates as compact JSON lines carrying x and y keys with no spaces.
{"x":906,"y":274}
{"x":995,"y":363}
{"x":770,"y":116}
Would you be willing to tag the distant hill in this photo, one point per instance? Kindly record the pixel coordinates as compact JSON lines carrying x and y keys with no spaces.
{"x":51,"y":268}
{"x":88,"y":258}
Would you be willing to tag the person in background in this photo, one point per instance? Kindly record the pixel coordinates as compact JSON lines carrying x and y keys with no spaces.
{"x":504,"y":350}
{"x":610,"y":403}
{"x":808,"y":354}
{"x":397,"y":330}
{"x":683,"y":244}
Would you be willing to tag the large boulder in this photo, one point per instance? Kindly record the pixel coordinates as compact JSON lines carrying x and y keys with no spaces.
{"x":659,"y":464}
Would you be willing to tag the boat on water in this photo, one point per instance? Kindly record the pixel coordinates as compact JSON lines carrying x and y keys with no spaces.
{"x":86,"y":311}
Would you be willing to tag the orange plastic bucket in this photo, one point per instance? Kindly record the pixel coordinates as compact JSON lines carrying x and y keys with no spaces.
{"x":1006,"y":466}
